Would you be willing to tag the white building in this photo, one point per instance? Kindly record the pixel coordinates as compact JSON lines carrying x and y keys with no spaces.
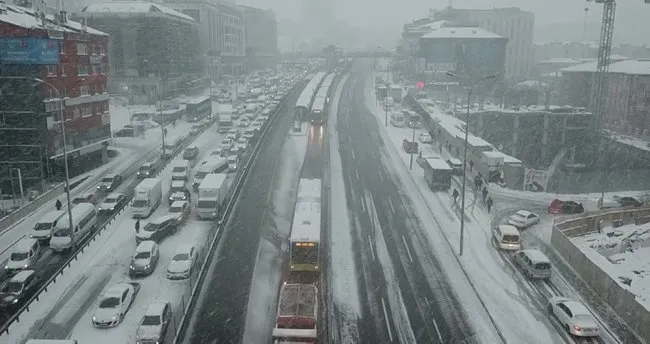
{"x":512,"y":23}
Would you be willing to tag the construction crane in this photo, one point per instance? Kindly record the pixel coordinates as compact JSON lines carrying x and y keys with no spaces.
{"x":600,"y":81}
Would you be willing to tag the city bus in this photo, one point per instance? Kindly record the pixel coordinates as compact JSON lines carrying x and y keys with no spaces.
{"x":305,"y":227}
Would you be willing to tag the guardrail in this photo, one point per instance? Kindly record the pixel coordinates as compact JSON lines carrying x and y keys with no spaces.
{"x":80,"y":248}
{"x":180,"y":333}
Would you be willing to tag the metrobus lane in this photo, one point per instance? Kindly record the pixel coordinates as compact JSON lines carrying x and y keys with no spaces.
{"x":68,"y":313}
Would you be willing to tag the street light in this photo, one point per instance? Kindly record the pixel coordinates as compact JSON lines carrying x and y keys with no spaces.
{"x":470,"y":88}
{"x":162,"y":118}
{"x":20,"y":184}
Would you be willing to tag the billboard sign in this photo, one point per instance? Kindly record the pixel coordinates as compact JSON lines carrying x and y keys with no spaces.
{"x":29,"y":50}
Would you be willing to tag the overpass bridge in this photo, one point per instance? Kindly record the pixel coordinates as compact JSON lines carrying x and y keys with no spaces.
{"x":346,"y":54}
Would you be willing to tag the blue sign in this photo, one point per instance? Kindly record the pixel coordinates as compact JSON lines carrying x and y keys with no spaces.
{"x":29,"y":50}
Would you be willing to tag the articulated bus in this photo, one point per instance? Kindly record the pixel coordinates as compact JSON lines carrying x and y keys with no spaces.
{"x":303,"y":105}
{"x":305,"y":228}
{"x":198,"y":109}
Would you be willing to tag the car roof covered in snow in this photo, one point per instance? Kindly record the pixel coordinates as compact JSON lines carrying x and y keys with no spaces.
{"x":22,"y":276}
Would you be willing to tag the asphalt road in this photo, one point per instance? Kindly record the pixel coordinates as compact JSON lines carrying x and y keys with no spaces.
{"x":433,"y":309}
{"x":221,"y":315}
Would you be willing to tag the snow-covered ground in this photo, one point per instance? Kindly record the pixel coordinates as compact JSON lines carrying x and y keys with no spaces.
{"x":492,"y":285}
{"x":342,"y":263}
{"x":624,"y":254}
{"x":276,"y":227}
{"x":66,"y":308}
{"x":130,"y":151}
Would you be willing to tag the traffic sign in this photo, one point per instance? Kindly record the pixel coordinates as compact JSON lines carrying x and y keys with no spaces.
{"x":419,"y":84}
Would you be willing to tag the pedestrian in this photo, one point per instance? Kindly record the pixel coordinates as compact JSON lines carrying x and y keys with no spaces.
{"x":489,"y":204}
{"x":58,"y":204}
{"x":485,"y":192}
{"x":455,"y":195}
{"x":137,"y":227}
{"x":165,"y":132}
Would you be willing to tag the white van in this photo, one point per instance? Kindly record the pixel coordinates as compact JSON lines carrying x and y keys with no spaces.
{"x":43,"y":229}
{"x":533,"y":264}
{"x":397,"y":119}
{"x":210,"y":165}
{"x":23,"y":255}
{"x":181,"y":170}
{"x":506,"y":237}
{"x":84,"y":222}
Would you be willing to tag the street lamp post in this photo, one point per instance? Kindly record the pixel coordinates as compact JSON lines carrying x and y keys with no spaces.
{"x":162,"y":118}
{"x":470,"y":88}
{"x":412,"y":140}
{"x":20,"y":184}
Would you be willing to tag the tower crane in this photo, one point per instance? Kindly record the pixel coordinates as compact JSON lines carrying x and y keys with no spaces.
{"x":600,"y":81}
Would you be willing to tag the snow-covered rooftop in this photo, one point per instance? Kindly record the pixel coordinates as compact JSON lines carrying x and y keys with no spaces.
{"x":507,"y":159}
{"x":632,"y":67}
{"x":461,"y":32}
{"x":134,"y":7}
{"x":561,"y":60}
{"x":306,"y":222}
{"x":527,"y":110}
{"x":27,"y":18}
{"x":624,"y":254}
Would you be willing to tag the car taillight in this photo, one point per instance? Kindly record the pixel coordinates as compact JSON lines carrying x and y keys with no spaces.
{"x":576,"y":327}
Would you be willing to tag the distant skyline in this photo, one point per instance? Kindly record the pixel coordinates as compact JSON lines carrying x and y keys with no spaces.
{"x":384,"y":19}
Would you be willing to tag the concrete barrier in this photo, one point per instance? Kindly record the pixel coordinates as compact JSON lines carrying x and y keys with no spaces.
{"x":621,"y":300}
{"x":19,"y":214}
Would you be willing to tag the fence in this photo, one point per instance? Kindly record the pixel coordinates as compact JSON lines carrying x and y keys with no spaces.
{"x":621,"y":300}
{"x":81,"y":248}
{"x":19,"y":214}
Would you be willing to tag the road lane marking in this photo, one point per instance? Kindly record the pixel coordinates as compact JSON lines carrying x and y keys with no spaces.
{"x":435,"y":324}
{"x":353,"y":157}
{"x":390,"y":203}
{"x":357,"y":173}
{"x":390,"y":333}
{"x":363,"y":203}
{"x":372,"y":250}
{"x":407,"y":249}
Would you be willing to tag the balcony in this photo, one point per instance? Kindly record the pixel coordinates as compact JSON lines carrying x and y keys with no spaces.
{"x":86,"y":99}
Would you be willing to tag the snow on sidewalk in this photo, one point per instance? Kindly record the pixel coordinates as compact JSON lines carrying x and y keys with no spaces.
{"x":488,"y":275}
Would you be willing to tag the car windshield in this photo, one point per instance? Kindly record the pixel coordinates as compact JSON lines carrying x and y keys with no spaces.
{"x":583,"y":318}
{"x":144,"y":168}
{"x":177,"y":189}
{"x":107,"y":180}
{"x":110,"y":200}
{"x":181,"y":257}
{"x":151,"y":227}
{"x":176,"y":209}
{"x":139,"y":203}
{"x":142,"y":255}
{"x":19,"y":256}
{"x":151,"y":320}
{"x":203,"y":204}
{"x":511,"y":238}
{"x":63,"y":232}
{"x":12,"y":287}
{"x":225,"y":142}
{"x":179,"y":168}
{"x":110,"y":302}
{"x":43,"y":226}
{"x":200,"y":175}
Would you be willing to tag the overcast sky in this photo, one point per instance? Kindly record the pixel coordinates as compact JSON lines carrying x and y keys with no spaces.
{"x":389,"y":15}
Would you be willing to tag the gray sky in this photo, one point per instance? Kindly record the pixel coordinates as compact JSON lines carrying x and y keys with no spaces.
{"x":387,"y":17}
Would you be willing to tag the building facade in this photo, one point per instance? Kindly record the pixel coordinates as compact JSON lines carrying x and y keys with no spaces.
{"x":207,"y":16}
{"x":261,"y":29}
{"x":516,"y":25}
{"x":153,"y":49}
{"x":232,"y":38}
{"x":469,"y":51}
{"x":50,"y":66}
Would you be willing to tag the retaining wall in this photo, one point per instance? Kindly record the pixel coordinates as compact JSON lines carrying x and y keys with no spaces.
{"x":622,"y":301}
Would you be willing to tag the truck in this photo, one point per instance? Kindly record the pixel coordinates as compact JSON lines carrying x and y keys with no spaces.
{"x":146,"y":198}
{"x":225,"y":112}
{"x":210,"y":165}
{"x":212,"y":195}
{"x":437,"y":173}
{"x":297,"y":316}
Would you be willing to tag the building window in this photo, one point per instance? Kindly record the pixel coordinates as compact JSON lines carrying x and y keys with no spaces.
{"x":82,"y":49}
{"x":63,"y":69}
{"x":101,"y":49}
{"x":86,"y":110}
{"x":62,"y":47}
{"x":102,"y":69}
{"x":82,"y":69}
{"x":51,"y":70}
{"x":96,"y":69}
{"x":84,"y":90}
{"x":65,"y":92}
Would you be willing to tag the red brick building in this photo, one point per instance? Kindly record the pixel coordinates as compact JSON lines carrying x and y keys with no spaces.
{"x":41,"y":57}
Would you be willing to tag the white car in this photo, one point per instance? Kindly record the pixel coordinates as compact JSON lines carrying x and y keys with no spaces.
{"x":256,"y":125}
{"x":244,"y":123}
{"x":262,"y":119}
{"x":114,"y":304}
{"x":233,"y":134}
{"x":181,"y":210}
{"x":426,"y":138}
{"x":226,"y":143}
{"x":112,"y":202}
{"x":154,"y":323}
{"x":182,"y":263}
{"x":242,"y":144}
{"x":574,"y":317}
{"x":523,"y":219}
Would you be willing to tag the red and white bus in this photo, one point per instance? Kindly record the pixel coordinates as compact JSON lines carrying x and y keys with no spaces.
{"x":297,"y":317}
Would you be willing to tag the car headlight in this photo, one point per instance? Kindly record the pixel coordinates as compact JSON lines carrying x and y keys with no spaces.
{"x":94,"y":318}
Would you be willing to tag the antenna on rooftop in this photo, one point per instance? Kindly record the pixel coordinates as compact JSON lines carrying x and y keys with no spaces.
{"x":451,"y":2}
